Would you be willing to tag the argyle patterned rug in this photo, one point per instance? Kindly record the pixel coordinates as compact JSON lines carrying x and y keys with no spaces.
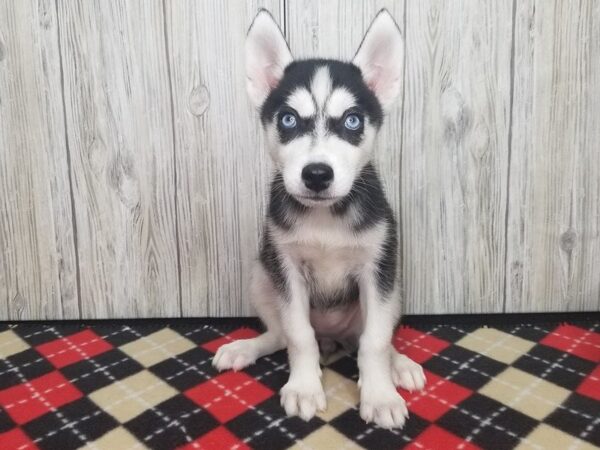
{"x":150,"y":384}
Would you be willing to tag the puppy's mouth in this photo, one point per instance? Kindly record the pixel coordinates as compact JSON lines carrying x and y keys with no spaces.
{"x":314,"y":200}
{"x":317,"y":198}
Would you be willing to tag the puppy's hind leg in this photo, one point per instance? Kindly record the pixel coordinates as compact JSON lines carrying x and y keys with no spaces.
{"x":241,"y":353}
{"x":406,"y":373}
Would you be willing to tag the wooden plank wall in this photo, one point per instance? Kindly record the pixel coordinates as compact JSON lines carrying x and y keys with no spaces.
{"x":132,"y":175}
{"x":553,"y":259}
{"x":38,"y":260}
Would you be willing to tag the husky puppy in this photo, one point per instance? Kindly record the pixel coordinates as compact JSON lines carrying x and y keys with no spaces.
{"x":328,"y":257}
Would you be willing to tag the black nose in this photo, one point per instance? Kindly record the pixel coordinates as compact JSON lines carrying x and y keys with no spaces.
{"x":317,"y":176}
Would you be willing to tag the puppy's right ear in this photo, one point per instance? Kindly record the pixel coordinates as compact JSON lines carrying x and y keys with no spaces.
{"x":267,"y":55}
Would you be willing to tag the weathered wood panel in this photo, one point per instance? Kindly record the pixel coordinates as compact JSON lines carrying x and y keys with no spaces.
{"x":154,"y":185}
{"x":222,"y":169}
{"x":455,"y":155}
{"x":38,"y":270}
{"x":120,"y":133}
{"x":553,"y":261}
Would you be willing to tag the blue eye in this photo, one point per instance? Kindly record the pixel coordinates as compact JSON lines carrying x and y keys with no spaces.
{"x":288,"y":120}
{"x":352,"y":122}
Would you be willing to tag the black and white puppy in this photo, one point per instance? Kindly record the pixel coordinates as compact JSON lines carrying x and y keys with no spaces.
{"x":327,"y":266}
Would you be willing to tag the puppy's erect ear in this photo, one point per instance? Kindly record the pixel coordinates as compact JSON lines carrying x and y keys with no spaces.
{"x":380,"y":58}
{"x":267,"y":55}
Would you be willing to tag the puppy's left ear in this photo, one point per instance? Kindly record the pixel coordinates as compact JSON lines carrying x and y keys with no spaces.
{"x":267,"y":55}
{"x":380,"y":58}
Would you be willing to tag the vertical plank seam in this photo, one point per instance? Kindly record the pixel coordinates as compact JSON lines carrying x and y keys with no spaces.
{"x":69,"y":168}
{"x":170,"y":79}
{"x":283,"y":6}
{"x":507,"y":271}
{"x":400,"y":209}
{"x":593,"y":28}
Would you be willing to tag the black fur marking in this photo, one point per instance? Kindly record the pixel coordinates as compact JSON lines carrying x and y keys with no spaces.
{"x":303,"y":126}
{"x":283,"y":208}
{"x":343,"y":74}
{"x":271,"y":261}
{"x":387,"y":263}
{"x":368,"y":197}
{"x":337,"y":126}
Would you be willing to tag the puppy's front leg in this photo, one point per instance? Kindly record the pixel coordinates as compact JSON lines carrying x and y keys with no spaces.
{"x":303,"y":394}
{"x":380,"y":402}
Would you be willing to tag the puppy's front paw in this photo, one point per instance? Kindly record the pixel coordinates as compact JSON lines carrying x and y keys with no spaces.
{"x":406,"y":373}
{"x":235,"y":355}
{"x":303,"y":398}
{"x":385,"y":407}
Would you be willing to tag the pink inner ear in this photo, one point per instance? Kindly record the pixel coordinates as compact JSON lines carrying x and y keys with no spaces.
{"x":373,"y":78}
{"x":272,"y":75}
{"x":379,"y":81}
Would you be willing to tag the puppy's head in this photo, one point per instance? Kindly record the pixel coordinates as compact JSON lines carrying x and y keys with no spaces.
{"x":321,"y":116}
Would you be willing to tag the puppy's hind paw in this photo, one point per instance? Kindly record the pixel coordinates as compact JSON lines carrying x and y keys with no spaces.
{"x":235,"y":355}
{"x":406,"y":373}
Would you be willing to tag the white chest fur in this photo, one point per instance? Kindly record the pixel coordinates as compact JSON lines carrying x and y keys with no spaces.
{"x":324,"y":248}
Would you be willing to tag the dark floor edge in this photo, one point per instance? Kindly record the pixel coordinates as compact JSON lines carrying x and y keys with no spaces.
{"x":411,"y":320}
{"x":501,"y":318}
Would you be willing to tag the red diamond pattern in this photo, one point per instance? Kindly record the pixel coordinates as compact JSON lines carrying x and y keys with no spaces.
{"x":241,"y":333}
{"x":27,"y":401}
{"x":217,"y":439}
{"x":434,"y":435}
{"x":439,"y":396}
{"x":71,"y":349}
{"x":16,"y":439}
{"x":417,"y":345}
{"x":591,"y":385}
{"x":228,"y":395}
{"x":575,"y":340}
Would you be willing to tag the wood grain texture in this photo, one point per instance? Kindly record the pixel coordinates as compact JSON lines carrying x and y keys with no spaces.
{"x":133,"y":176}
{"x":222,"y":169}
{"x":455,"y":155}
{"x":120,"y":134}
{"x":553,"y":261}
{"x":38,"y":270}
